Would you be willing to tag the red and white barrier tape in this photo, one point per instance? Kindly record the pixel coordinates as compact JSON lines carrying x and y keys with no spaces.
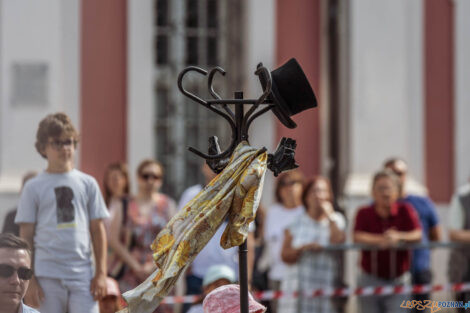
{"x":341,"y":292}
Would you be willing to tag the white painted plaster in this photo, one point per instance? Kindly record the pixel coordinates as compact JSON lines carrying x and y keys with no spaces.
{"x":386,"y":86}
{"x":140,"y":101}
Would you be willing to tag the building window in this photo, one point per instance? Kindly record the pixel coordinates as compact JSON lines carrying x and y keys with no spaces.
{"x":190,"y":32}
{"x":30,"y":84}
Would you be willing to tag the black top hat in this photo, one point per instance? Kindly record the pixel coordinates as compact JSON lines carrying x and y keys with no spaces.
{"x":290,"y":91}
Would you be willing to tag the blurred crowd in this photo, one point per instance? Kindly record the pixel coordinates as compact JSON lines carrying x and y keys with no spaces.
{"x":288,"y":241}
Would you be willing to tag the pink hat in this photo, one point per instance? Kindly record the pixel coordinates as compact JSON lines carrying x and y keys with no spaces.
{"x":112,"y":287}
{"x":226,"y":299}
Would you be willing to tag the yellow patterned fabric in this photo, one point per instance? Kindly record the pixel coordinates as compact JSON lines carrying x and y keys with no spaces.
{"x":234,"y":193}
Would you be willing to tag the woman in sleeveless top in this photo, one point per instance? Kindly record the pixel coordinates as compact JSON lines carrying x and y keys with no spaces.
{"x":147,"y":213}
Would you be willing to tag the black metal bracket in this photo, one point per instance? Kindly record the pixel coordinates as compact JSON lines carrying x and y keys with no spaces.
{"x":284,"y":157}
{"x":216,"y":165}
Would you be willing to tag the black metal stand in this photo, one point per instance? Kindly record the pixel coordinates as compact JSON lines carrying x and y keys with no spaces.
{"x":281,"y":160}
{"x":242,"y":249}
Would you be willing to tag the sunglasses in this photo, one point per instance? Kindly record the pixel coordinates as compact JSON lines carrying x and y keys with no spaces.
{"x":147,"y":176}
{"x":24,"y":273}
{"x":59,"y":144}
{"x":290,"y":183}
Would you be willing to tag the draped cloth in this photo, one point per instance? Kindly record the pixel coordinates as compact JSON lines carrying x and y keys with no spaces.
{"x":234,"y":193}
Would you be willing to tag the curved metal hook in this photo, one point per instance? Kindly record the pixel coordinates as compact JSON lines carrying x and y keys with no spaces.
{"x":232,"y":144}
{"x":215,"y":94}
{"x":269,"y":83}
{"x":263,"y":74}
{"x":210,"y":79}
{"x":196,"y":98}
{"x":184,"y":91}
{"x":215,"y":156}
{"x":210,"y":107}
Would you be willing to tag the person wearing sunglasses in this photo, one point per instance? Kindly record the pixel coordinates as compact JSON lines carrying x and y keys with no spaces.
{"x":15,"y":273}
{"x":148,"y":212}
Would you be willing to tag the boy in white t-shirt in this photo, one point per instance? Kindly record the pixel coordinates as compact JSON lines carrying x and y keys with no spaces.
{"x":60,"y":214}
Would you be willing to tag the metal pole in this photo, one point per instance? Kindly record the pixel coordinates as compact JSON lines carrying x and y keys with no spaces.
{"x":242,"y":249}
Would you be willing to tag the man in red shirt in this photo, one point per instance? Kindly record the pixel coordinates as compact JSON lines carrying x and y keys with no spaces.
{"x":383,"y":225}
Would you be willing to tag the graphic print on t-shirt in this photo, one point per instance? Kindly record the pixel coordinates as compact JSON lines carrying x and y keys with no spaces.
{"x":65,"y":209}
